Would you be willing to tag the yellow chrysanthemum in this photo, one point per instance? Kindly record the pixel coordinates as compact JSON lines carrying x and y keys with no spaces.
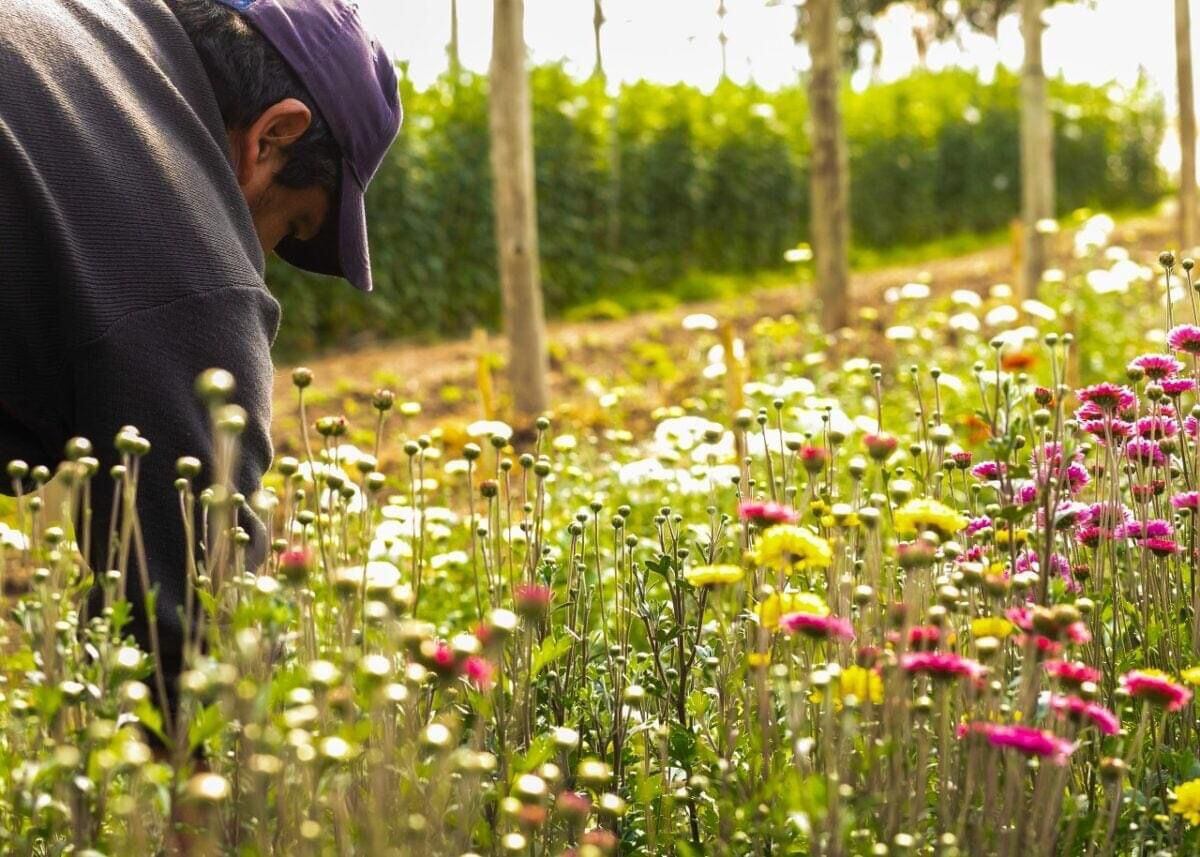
{"x":1019,"y":537}
{"x":778,"y":604}
{"x":991,"y":626}
{"x":926,"y":514}
{"x":758,"y":660}
{"x":861,"y":683}
{"x":788,"y":548}
{"x":1191,"y":675}
{"x":1187,"y":801}
{"x":713,"y":575}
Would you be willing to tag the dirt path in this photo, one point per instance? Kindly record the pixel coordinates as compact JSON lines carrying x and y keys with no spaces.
{"x":444,"y":376}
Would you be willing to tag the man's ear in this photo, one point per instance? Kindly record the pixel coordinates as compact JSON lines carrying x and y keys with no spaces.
{"x":260,"y":150}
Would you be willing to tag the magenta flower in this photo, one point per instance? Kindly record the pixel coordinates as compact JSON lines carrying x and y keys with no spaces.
{"x":1185,"y":338}
{"x":767,"y":514}
{"x":1109,"y":398}
{"x":987,"y":471}
{"x":1186,"y":500}
{"x":1080,"y":709}
{"x":977,"y":524}
{"x":1156,"y":367}
{"x":821,"y":627}
{"x":1155,"y":528}
{"x":1156,"y":428}
{"x":943,"y":665}
{"x":1156,"y":688}
{"x":479,"y":671}
{"x":1161,"y":547}
{"x":1072,"y":673}
{"x":1031,"y":742}
{"x":880,"y":446}
{"x":1178,"y":386}
{"x":1144,"y":452}
{"x":532,"y":599}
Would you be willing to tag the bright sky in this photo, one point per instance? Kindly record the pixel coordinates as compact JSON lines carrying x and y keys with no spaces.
{"x":673,"y":40}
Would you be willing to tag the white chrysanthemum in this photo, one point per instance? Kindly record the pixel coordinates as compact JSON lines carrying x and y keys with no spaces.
{"x":914,"y":291}
{"x":901,"y":333}
{"x":1037,"y":309}
{"x":700,"y":321}
{"x":967,"y":298}
{"x":1003,"y":314}
{"x":967,"y":322}
{"x":489,"y":428}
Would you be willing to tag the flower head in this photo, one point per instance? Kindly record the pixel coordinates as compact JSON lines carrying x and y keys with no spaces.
{"x":1185,"y":338}
{"x":943,"y":665}
{"x":822,"y":627}
{"x":1108,"y":398}
{"x":924,"y":513}
{"x":1071,"y":673}
{"x":790,"y":548}
{"x":1156,"y":367}
{"x":1031,"y":742}
{"x":767,"y":514}
{"x":778,"y":604}
{"x":1081,"y":710}
{"x":713,"y":575}
{"x":991,"y":626}
{"x":1156,"y":687}
{"x":1187,"y":801}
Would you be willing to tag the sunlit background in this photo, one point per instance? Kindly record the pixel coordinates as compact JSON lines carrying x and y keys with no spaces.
{"x":678,"y":40}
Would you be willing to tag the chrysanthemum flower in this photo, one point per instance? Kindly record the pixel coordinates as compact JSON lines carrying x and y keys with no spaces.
{"x":1186,"y":500}
{"x":991,"y":626}
{"x":776,"y":605}
{"x":479,"y":671}
{"x":1145,"y":452}
{"x":821,"y":627}
{"x":767,"y":514}
{"x":861,"y":683}
{"x":1156,"y":427}
{"x":943,"y":665}
{"x":1072,"y":673}
{"x":532,"y":599}
{"x":1191,"y":675}
{"x":790,"y":548}
{"x":1178,"y":386}
{"x":1156,"y":687}
{"x":1186,"y":801}
{"x":713,"y":575}
{"x":1081,"y":709}
{"x":924,"y":513}
{"x":880,"y":446}
{"x":1156,"y":367}
{"x":1031,"y":742}
{"x":1109,"y":398}
{"x":1185,"y":338}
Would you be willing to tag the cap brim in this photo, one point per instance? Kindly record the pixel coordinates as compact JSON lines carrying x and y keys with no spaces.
{"x":340,"y":249}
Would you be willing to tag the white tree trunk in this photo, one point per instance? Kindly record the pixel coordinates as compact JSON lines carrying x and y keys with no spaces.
{"x":1037,"y":150}
{"x":829,"y":183}
{"x":511,"y":123}
{"x":1187,"y":127}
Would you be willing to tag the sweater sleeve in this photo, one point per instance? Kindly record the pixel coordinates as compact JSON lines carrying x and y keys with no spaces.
{"x":142,"y":372}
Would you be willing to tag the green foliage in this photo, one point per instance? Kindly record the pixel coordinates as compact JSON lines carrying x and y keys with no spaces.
{"x":696,"y":182}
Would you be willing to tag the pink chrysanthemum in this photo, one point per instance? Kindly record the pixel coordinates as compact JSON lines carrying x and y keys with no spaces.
{"x":1185,"y":338}
{"x":943,"y":665}
{"x":1156,"y":367}
{"x":767,"y":514}
{"x":1145,"y":452}
{"x":1161,"y":547}
{"x":977,"y":524}
{"x":1080,"y":709}
{"x":1156,"y":688}
{"x":1031,"y":742}
{"x":1186,"y":500}
{"x":1155,"y":528}
{"x":1178,"y":386}
{"x":880,"y":446}
{"x":479,"y":671}
{"x":987,"y":471}
{"x":822,"y":627}
{"x":1109,"y":398}
{"x":1072,"y":673}
{"x":1156,"y":428}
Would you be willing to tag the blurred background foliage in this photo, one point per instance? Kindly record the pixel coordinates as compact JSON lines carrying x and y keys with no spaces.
{"x":705,"y":184}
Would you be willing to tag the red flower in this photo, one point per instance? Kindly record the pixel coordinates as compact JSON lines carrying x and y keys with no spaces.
{"x":767,"y":514}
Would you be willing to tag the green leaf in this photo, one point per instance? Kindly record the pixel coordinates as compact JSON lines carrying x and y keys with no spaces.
{"x":551,"y":649}
{"x":205,"y":724}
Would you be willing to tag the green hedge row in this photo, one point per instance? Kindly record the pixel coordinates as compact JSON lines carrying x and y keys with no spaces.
{"x":715,"y":182}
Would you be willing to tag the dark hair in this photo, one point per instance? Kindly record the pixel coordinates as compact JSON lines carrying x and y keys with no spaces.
{"x":248,"y":75}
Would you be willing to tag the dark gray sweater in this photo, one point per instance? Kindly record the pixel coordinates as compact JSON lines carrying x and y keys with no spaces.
{"x":128,"y":262}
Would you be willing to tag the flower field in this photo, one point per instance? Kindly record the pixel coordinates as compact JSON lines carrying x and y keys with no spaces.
{"x":925,"y":588}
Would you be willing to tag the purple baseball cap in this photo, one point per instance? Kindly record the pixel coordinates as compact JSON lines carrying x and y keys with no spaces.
{"x":353,"y":82}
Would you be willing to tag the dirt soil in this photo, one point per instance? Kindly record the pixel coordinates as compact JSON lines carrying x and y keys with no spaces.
{"x":444,"y":377}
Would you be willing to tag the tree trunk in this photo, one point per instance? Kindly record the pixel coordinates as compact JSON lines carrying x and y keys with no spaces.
{"x":511,"y":123}
{"x":829,"y":185}
{"x":724,"y":40}
{"x":452,"y":47}
{"x":1187,"y":127}
{"x":1037,"y":151}
{"x":597,"y":25}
